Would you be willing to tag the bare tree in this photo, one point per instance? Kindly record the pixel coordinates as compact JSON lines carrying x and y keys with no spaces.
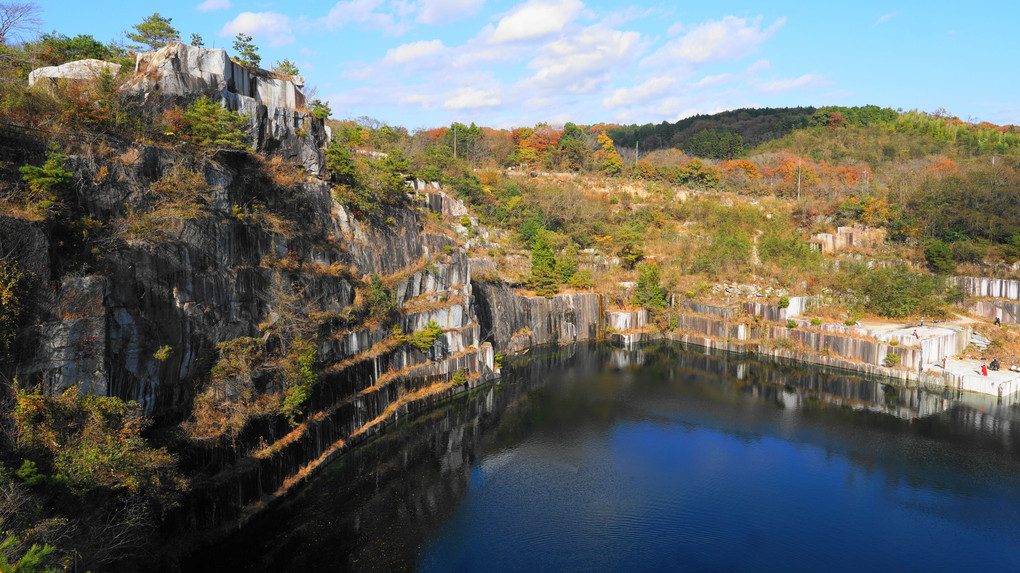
{"x":17,"y":19}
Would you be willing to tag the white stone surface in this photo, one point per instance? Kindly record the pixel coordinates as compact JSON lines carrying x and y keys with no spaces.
{"x":77,"y":70}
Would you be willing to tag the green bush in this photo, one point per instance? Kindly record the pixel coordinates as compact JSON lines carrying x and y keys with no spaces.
{"x":42,"y":180}
{"x":939,"y":258}
{"x":899,"y":292}
{"x":891,"y":359}
{"x":13,"y":290}
{"x":299,"y":377}
{"x":210,"y":126}
{"x":816,"y":321}
{"x":649,"y":293}
{"x":379,"y":300}
{"x":791,"y":324}
{"x":425,"y":338}
{"x":91,"y":442}
{"x":784,"y":301}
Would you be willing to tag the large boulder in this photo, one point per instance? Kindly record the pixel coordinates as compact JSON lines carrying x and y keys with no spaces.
{"x":78,"y":70}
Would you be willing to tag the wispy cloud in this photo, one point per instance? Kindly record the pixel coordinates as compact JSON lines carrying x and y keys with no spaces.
{"x":729,"y":39}
{"x":778,"y":86}
{"x":582,"y":62}
{"x":271,"y":26}
{"x":639,"y":94}
{"x":534,"y":20}
{"x":371,"y":14}
{"x":213,"y":5}
{"x":472,"y":98}
{"x":886,"y":17}
{"x":444,"y":11}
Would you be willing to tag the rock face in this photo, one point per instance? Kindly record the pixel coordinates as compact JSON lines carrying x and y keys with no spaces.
{"x":848,"y":238}
{"x":271,"y":104}
{"x":183,"y":70}
{"x":78,"y":70}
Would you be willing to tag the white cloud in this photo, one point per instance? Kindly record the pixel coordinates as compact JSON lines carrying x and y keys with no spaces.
{"x":413,"y":51}
{"x":710,"y":81}
{"x":535,"y":19}
{"x":778,"y":86}
{"x":421,"y":100}
{"x":308,"y":52}
{"x":728,"y":39}
{"x":212,"y":5}
{"x":886,"y":17}
{"x":581,"y":63}
{"x":365,"y":13}
{"x":471,"y":98}
{"x":262,"y":26}
{"x":443,"y":11}
{"x":640,"y":94}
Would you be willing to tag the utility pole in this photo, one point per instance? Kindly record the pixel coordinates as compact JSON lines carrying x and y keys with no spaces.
{"x":636,"y":152}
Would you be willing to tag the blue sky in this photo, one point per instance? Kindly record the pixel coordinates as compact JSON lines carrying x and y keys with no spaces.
{"x":426,"y":63}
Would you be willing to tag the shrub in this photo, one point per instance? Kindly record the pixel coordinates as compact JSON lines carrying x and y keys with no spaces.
{"x":816,"y":321}
{"x":791,"y":324}
{"x":891,"y":359}
{"x":92,"y":442}
{"x":939,"y":258}
{"x":649,"y":293}
{"x":320,"y":109}
{"x":208,"y":125}
{"x":459,"y":378}
{"x":379,"y":300}
{"x":299,"y":377}
{"x":894,"y":343}
{"x":784,"y":301}
{"x":899,"y":292}
{"x":163,"y":353}
{"x":13,"y":289}
{"x":426,"y":337}
{"x":42,"y":180}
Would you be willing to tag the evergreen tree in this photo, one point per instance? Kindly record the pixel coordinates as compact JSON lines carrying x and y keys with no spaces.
{"x":285,"y":67}
{"x":247,"y":52}
{"x":650,"y":294}
{"x":154,"y":32}
{"x":543,"y":267}
{"x":197,"y":41}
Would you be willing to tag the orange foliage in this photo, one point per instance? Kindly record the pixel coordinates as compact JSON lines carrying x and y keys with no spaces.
{"x":943,"y":166}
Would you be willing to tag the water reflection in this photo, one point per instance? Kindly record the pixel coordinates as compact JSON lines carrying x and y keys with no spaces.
{"x":585,"y":452}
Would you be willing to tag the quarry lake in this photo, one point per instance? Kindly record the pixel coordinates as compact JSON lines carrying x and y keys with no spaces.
{"x":663,"y":458}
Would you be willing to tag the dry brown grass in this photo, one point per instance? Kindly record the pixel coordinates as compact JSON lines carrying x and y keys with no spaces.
{"x":283,"y":173}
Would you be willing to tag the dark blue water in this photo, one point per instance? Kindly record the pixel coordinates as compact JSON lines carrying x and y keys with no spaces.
{"x":596,"y":459}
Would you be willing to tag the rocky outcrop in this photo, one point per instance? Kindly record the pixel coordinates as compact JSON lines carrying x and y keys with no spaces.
{"x":88,"y":70}
{"x":515,"y":322}
{"x":846,"y":238}
{"x":989,"y":287}
{"x":271,"y":104}
{"x":183,"y":70}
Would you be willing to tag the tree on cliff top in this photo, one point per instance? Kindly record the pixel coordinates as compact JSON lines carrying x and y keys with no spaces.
{"x":247,"y":52}
{"x":154,"y":32}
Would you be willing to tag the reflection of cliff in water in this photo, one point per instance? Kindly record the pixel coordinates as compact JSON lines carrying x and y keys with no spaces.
{"x":794,"y":386}
{"x":372,"y":510}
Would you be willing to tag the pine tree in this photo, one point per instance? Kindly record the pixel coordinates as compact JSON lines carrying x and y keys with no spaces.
{"x":543,"y":267}
{"x":155,"y":32}
{"x":247,"y":52}
{"x":650,"y":293}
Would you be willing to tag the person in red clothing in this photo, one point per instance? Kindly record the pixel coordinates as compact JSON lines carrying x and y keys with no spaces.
{"x":984,"y":370}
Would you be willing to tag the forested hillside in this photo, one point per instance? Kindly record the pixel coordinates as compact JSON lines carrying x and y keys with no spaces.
{"x":206,"y":293}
